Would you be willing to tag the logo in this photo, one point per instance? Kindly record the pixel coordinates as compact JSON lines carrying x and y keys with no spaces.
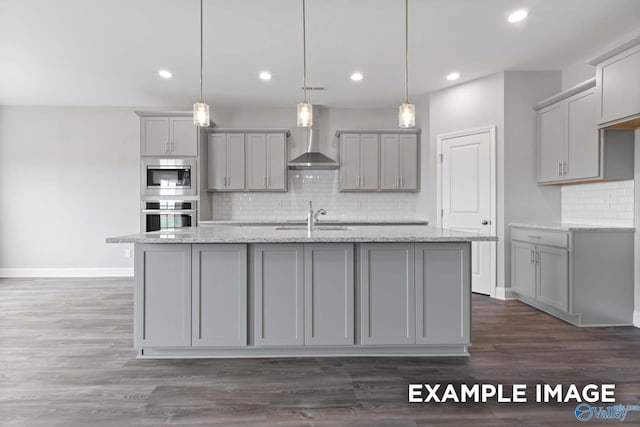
{"x":585,"y":412}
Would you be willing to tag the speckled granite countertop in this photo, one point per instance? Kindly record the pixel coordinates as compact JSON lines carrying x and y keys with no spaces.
{"x":263,"y":234}
{"x":571,"y":227}
{"x":321,"y":221}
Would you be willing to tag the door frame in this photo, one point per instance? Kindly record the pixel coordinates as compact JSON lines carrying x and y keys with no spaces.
{"x":491,"y":130}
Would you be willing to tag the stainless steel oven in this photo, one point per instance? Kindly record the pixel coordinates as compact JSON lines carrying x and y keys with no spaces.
{"x":169,"y":177}
{"x":168,"y":214}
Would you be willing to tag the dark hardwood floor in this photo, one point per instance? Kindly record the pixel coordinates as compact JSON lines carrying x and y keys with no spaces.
{"x":66,"y":359}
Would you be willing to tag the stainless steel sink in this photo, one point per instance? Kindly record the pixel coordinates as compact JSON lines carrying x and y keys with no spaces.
{"x":317,"y":228}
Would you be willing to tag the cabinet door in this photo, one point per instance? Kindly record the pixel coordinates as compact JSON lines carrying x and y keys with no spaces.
{"x":256,"y":161}
{"x":583,"y":142}
{"x":235,"y":161}
{"x":349,"y":162}
{"x":219,"y":295}
{"x":369,"y":162}
{"x":618,"y":86}
{"x":328,"y":291}
{"x":217,"y":161}
{"x":389,"y":162}
{"x":523,"y":269}
{"x":279,"y":288}
{"x":163,"y":296}
{"x":276,"y":161}
{"x":553,"y":277}
{"x":183,"y":136}
{"x":443,"y":293}
{"x":551,"y":140}
{"x":409,"y":157}
{"x":154,"y":136}
{"x":387,"y":290}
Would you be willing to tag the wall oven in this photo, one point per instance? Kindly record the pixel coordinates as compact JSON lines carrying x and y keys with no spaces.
{"x":169,"y":177}
{"x":160,"y":215}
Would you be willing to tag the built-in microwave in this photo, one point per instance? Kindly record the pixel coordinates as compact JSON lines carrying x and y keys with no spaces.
{"x":168,"y":214}
{"x":169,"y":177}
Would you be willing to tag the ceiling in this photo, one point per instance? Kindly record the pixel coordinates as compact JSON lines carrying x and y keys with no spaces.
{"x":108,"y":52}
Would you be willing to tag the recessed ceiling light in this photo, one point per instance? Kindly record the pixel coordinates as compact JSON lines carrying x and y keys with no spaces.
{"x":165,"y":74}
{"x":356,"y":77}
{"x":265,"y":75}
{"x":453,"y":76}
{"x":518,"y":15}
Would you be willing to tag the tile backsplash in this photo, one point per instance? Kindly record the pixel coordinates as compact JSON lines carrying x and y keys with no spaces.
{"x":604,"y":203}
{"x":322,"y":188}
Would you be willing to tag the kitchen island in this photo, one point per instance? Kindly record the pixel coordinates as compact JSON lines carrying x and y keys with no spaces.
{"x":271,"y":291}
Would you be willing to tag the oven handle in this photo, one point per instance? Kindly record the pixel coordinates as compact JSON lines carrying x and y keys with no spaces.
{"x":169,"y":211}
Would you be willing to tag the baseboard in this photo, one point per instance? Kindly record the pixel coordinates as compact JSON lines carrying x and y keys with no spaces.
{"x":67,"y":272}
{"x":504,"y":293}
{"x":636,"y":318}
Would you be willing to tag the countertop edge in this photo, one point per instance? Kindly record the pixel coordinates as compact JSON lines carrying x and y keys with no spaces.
{"x":572,"y":227}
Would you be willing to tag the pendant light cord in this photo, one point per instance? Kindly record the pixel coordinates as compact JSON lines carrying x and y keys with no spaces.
{"x":406,"y":51}
{"x":201,"y":52}
{"x":304,"y":50}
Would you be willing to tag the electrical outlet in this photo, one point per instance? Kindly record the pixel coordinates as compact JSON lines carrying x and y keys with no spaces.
{"x":127,"y":252}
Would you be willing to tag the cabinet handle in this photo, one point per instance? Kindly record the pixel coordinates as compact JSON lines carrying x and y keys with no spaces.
{"x":559,"y":168}
{"x":264,"y":181}
{"x":359,"y":181}
{"x":171,"y":146}
{"x":166,"y":147}
{"x":401,"y":181}
{"x":565,"y":168}
{"x":268,"y":180}
{"x":532,"y":257}
{"x":537,"y":257}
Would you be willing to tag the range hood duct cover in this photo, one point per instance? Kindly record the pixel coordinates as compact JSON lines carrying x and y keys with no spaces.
{"x":313,"y":160}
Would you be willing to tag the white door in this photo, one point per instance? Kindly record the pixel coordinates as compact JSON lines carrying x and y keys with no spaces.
{"x":467,"y":196}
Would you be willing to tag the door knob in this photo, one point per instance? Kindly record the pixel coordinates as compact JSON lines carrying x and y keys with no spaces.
{"x":484,"y":222}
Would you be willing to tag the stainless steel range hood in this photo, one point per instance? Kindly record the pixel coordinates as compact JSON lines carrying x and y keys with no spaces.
{"x":313,"y":159}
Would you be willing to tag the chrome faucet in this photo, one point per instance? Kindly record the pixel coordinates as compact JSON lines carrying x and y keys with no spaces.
{"x":312,"y":217}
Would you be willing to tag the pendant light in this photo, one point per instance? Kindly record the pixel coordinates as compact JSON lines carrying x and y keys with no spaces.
{"x":407,"y":114}
{"x":200,"y":109}
{"x":305,"y":110}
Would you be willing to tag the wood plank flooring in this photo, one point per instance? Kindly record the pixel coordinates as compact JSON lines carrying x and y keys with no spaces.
{"x":66,"y":359}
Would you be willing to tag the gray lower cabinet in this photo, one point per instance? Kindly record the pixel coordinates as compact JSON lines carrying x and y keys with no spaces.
{"x":387,"y":294}
{"x":219,"y":287}
{"x":443,"y":293}
{"x":329,"y":294}
{"x":279,"y":294}
{"x":583,"y":276}
{"x":163,"y":295}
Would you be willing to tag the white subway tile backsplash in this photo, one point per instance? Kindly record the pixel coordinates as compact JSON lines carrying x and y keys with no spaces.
{"x":603,"y":203}
{"x":322,"y":187}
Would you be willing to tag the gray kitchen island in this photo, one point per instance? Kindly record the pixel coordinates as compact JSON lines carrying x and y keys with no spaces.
{"x":266,"y":291}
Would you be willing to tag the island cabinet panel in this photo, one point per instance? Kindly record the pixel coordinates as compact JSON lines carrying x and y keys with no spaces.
{"x":329,"y":289}
{"x":443,"y":291}
{"x":163,"y":295}
{"x":279,"y":294}
{"x":387,"y":288}
{"x":219,"y":295}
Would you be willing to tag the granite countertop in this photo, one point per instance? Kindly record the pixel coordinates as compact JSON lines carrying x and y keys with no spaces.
{"x":262,"y":234}
{"x":565,"y":226}
{"x":321,"y":221}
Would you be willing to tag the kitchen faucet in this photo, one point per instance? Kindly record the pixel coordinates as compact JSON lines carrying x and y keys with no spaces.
{"x":312,"y":217}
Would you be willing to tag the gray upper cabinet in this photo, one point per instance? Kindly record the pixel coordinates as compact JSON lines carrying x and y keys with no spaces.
{"x":441,"y":276}
{"x":163,"y":295}
{"x":219,"y":295}
{"x":226,"y":162}
{"x":329,"y":294}
{"x":399,"y":162}
{"x":278,"y":271}
{"x":618,"y":86}
{"x":359,"y":156}
{"x":570,"y":146}
{"x":168,"y":136}
{"x":379,"y":160}
{"x":266,"y":161}
{"x":387,"y":287}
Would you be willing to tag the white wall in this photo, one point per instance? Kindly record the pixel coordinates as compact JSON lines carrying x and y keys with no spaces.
{"x":636,"y":314}
{"x":68,"y":179}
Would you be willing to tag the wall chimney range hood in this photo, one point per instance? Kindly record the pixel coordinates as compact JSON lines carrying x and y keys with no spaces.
{"x":313,"y":159}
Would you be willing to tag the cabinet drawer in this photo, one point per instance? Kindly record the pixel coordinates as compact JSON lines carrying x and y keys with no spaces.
{"x":550,"y":238}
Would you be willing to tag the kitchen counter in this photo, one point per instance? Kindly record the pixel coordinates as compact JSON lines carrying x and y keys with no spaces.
{"x":562,"y":226}
{"x":265,"y":234}
{"x":320,"y":222}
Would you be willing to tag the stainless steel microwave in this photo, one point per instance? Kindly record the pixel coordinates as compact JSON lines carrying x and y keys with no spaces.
{"x":169,"y":177}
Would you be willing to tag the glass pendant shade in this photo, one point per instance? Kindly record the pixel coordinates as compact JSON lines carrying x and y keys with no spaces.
{"x":407,"y":116}
{"x":201,"y":114}
{"x":305,"y":115}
